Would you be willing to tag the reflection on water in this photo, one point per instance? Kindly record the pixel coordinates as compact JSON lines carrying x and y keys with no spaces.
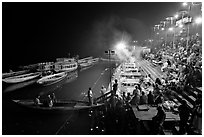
{"x":17,"y":120}
{"x":71,"y":76}
{"x":12,"y":87}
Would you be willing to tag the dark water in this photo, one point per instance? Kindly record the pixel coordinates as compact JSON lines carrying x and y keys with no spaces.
{"x":18,"y":120}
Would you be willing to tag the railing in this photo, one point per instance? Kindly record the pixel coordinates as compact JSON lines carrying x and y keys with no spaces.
{"x":104,"y":97}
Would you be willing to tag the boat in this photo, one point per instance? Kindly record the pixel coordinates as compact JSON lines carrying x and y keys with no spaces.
{"x":21,"y":78}
{"x":10,"y":74}
{"x":17,"y":86}
{"x":84,"y":59}
{"x":65,"y":64}
{"x":85,"y":64}
{"x":58,"y":106}
{"x":51,"y":79}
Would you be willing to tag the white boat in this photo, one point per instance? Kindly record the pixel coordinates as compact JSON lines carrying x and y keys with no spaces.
{"x":94,"y":60}
{"x":85,"y":64}
{"x":21,"y":78}
{"x":10,"y":74}
{"x":51,"y":79}
{"x":84,"y":60}
{"x":65,"y":66}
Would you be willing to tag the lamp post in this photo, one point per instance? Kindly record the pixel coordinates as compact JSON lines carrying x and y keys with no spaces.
{"x":109,"y":53}
{"x":173,"y":30}
{"x":188,"y":26}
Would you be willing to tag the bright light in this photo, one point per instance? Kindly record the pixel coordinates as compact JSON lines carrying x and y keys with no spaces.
{"x":171,"y":29}
{"x":185,"y":4}
{"x":181,"y":31}
{"x":157,"y":33}
{"x":181,"y":26}
{"x":120,"y":46}
{"x":176,"y":16}
{"x":162,"y":28}
{"x":198,"y":20}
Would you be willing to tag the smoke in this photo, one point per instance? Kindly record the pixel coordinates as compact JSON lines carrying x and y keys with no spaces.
{"x":108,"y":32}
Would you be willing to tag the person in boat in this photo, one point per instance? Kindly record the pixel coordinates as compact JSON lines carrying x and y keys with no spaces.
{"x":37,"y":101}
{"x":53,"y":97}
{"x":90,"y":97}
{"x":158,"y":121}
{"x":49,"y":101}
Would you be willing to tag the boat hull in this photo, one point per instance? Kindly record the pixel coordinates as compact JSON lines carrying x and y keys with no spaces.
{"x":60,"y":106}
{"x":18,"y":79}
{"x":48,"y":80}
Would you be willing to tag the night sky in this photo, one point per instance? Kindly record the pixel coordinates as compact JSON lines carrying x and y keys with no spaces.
{"x":39,"y":32}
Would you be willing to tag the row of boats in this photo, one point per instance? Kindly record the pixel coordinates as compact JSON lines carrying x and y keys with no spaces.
{"x":62,"y":69}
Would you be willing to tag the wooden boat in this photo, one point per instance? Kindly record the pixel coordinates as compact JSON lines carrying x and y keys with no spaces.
{"x":66,"y":65}
{"x":85,"y":64}
{"x":10,"y":74}
{"x":21,"y":78}
{"x":59,"y":105}
{"x":51,"y":79}
{"x":13,"y":87}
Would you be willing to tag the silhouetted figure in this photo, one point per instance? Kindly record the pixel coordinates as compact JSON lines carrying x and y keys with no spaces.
{"x":90,"y":97}
{"x":115,"y":86}
{"x":37,"y":101}
{"x":150,"y":98}
{"x":196,"y":119}
{"x":184,"y":114}
{"x":158,"y":121}
{"x":103,"y":91}
{"x":53,"y":97}
{"x":49,"y":101}
{"x":143,"y":99}
{"x":128,"y":98}
{"x":159,"y":99}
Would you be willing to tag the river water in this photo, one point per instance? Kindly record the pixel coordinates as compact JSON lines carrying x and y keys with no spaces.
{"x":17,"y":120}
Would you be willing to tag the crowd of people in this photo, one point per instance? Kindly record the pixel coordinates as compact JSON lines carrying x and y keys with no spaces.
{"x":181,"y":65}
{"x":181,"y":62}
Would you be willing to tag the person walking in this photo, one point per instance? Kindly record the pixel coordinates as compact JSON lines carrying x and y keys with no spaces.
{"x":90,"y":97}
{"x":103,"y":91}
{"x":115,"y":86}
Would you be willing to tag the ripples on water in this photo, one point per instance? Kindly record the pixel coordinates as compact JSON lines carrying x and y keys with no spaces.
{"x":17,"y":120}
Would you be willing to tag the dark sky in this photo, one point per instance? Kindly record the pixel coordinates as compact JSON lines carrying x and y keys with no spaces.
{"x":38,"y":32}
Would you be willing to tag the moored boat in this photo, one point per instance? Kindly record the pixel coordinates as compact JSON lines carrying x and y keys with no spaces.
{"x":10,"y":74}
{"x":21,"y":78}
{"x":58,"y":106}
{"x":65,"y":64}
{"x":51,"y":79}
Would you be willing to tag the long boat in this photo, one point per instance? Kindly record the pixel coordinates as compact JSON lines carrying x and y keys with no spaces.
{"x":21,"y":78}
{"x":58,"y":106}
{"x":65,"y":66}
{"x":11,"y":74}
{"x":51,"y":79}
{"x":85,"y":64}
